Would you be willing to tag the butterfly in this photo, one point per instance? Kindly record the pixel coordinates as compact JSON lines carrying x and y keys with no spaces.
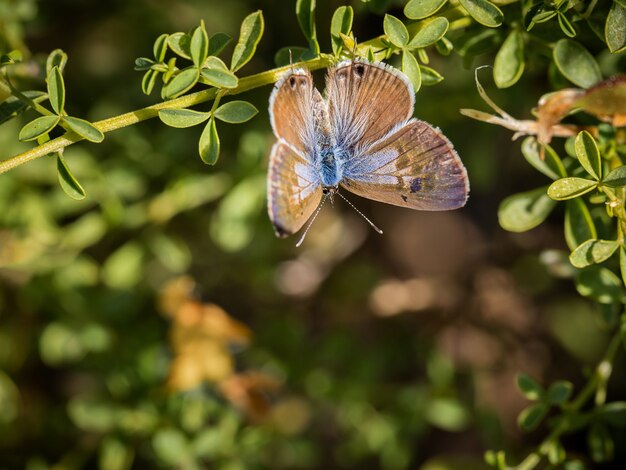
{"x":360,"y":136}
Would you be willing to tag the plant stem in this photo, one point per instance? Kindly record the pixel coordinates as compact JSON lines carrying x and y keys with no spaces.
{"x":133,"y":117}
{"x":599,"y":378}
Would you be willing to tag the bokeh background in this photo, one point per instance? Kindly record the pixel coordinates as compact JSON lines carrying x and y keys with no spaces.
{"x":160,"y":323}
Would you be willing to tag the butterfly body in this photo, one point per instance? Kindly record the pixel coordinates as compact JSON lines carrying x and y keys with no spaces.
{"x":360,"y":136}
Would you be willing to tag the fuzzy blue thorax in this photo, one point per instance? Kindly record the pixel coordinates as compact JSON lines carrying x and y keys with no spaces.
{"x":329,"y":159}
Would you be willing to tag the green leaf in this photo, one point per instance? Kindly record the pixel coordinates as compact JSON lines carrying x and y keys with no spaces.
{"x":217,"y":74}
{"x":56,"y":90}
{"x":143,"y":63}
{"x":199,"y":46}
{"x":588,"y":154}
{"x":509,"y":64}
{"x":57,"y":58}
{"x":559,"y":392}
{"x":38,"y":127}
{"x":180,"y":43}
{"x":430,"y":76}
{"x":613,"y":413}
{"x":622,"y":263}
{"x":550,"y":165}
{"x":601,"y":446}
{"x":148,"y":81}
{"x":13,"y":106}
{"x":83,"y":128}
{"x":181,"y":118}
{"x":68,"y":182}
{"x":181,"y":83}
{"x":524,"y":211}
{"x":556,"y":453}
{"x":411,"y":69}
{"x":529,"y":387}
{"x":305,"y":11}
{"x":418,"y":9}
{"x":566,"y":26}
{"x":396,"y":31}
{"x":444,"y":46}
{"x":483,"y":11}
{"x":568,"y":188}
{"x":159,"y":48}
{"x":615,"y":28}
{"x":217,"y":43}
{"x":532,"y":416}
{"x":235,"y":112}
{"x":576,"y":63}
{"x":600,"y":284}
{"x":12,"y":57}
{"x":209,"y":144}
{"x":341,"y":23}
{"x":593,"y":252}
{"x":249,"y":36}
{"x":616,"y":177}
{"x":430,"y":33}
{"x":579,"y":225}
{"x":285,"y":55}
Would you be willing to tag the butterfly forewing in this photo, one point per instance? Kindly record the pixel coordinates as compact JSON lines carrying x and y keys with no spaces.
{"x":291,"y":104}
{"x":416,"y":166}
{"x":366,"y":101}
{"x":293,"y":189}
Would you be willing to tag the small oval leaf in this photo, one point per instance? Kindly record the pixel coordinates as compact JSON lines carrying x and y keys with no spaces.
{"x":159,"y":48}
{"x":181,"y":118}
{"x":532,"y":416}
{"x":592,"y":252}
{"x":615,"y":28}
{"x":57,"y":58}
{"x":235,"y":112}
{"x":396,"y":31}
{"x":209,"y":144}
{"x":509,"y":64}
{"x":56,"y":90}
{"x":180,"y":43}
{"x":418,"y":9}
{"x":430,"y":76}
{"x":566,"y":26}
{"x":38,"y":127}
{"x":529,"y":387}
{"x":411,"y":69}
{"x":550,"y":165}
{"x":567,"y":188}
{"x":600,"y":284}
{"x":576,"y":63}
{"x":524,"y":211}
{"x":181,"y":83}
{"x":249,"y":36}
{"x":341,"y":23}
{"x":83,"y":128}
{"x":483,"y":11}
{"x":430,"y":33}
{"x":199,"y":46}
{"x":579,"y":225}
{"x":217,"y":43}
{"x":559,"y":392}
{"x":68,"y":182}
{"x":148,"y":81}
{"x":215,"y":73}
{"x":588,"y":154}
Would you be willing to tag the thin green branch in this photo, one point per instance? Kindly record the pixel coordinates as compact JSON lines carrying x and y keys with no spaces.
{"x":133,"y":117}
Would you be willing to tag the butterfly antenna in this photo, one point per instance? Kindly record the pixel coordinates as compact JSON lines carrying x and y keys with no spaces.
{"x":291,"y":60}
{"x":306,"y":230}
{"x":361,"y":214}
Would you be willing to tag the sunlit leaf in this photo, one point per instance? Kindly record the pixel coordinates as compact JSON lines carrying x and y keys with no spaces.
{"x":579,"y":225}
{"x":182,"y":117}
{"x":529,"y":387}
{"x":593,"y":252}
{"x":411,"y":69}
{"x":616,"y":177}
{"x":524,"y":211}
{"x":84,"y":129}
{"x":396,"y":31}
{"x":622,"y":263}
{"x":418,"y":9}
{"x":148,"y":81}
{"x":181,"y":83}
{"x":68,"y":181}
{"x":199,"y":45}
{"x":483,"y":11}
{"x":235,"y":112}
{"x":576,"y":63}
{"x":430,"y":33}
{"x":38,"y":127}
{"x":57,"y":58}
{"x":249,"y":36}
{"x":209,"y":144}
{"x":550,"y":165}
{"x":341,"y":23}
{"x":159,"y":49}
{"x":509,"y":64}
{"x":615,"y":28}
{"x":217,"y":74}
{"x":305,"y":11}
{"x":567,"y":188}
{"x":600,"y":284}
{"x":430,"y":76}
{"x":180,"y":43}
{"x":217,"y":43}
{"x":588,"y":154}
{"x":56,"y":90}
{"x":566,"y":26}
{"x":532,"y":416}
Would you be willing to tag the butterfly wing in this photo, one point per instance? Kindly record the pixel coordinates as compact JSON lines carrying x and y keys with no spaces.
{"x":414,"y":166}
{"x":366,"y":101}
{"x":293,"y":189}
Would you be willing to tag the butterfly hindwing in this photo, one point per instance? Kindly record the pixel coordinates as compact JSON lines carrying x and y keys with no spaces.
{"x":366,"y":101}
{"x":293,"y":189}
{"x":415,"y":166}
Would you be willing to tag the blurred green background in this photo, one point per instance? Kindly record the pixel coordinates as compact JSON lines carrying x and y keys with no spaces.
{"x":159,"y":322}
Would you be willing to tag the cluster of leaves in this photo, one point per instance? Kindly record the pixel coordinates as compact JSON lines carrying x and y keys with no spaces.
{"x":206,"y":68}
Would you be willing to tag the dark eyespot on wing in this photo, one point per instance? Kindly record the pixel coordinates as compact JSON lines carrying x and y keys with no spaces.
{"x":359,"y":70}
{"x":416,"y":185}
